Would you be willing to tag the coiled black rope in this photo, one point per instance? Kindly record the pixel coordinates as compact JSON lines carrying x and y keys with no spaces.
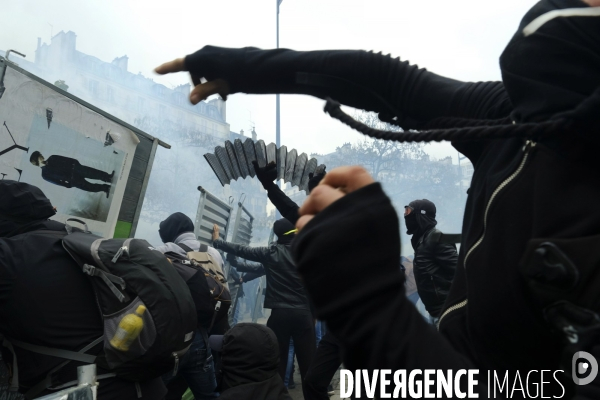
{"x":473,"y":130}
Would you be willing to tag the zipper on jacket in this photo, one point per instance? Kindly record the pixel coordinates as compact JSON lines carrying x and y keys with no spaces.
{"x":529,"y":144}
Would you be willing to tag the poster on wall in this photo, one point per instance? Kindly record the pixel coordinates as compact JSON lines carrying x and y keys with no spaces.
{"x":77,"y":157}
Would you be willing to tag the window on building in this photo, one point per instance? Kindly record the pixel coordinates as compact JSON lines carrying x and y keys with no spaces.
{"x":93,"y":87}
{"x":110,"y":94}
{"x":140,"y":104}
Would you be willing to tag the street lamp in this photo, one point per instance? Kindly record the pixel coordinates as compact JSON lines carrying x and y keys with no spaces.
{"x":277,"y":120}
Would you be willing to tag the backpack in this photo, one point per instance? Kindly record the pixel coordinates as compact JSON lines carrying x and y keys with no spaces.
{"x":211,"y":297}
{"x":125,"y":274}
{"x":206,"y":261}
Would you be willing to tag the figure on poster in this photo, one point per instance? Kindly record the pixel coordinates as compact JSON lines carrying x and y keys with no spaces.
{"x":68,"y":172}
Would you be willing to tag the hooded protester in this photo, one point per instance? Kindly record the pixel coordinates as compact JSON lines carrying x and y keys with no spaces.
{"x":434,"y":263}
{"x":46,"y":300}
{"x":250,"y":363}
{"x":291,"y":314}
{"x":178,"y":230}
{"x":532,"y":139}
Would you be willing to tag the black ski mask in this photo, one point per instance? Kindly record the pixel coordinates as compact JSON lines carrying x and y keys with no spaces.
{"x":421,"y":218}
{"x":412,"y":226}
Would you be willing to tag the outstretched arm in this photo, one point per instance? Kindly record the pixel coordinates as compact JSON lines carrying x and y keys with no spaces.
{"x":260,"y":254}
{"x":417,"y":94}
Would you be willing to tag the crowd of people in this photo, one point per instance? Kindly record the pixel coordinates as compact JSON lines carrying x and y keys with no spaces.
{"x":520,"y":296}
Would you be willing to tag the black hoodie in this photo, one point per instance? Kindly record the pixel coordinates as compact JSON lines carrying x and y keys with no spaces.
{"x":250,"y":364}
{"x":519,"y":192}
{"x":175,"y":225}
{"x":45,"y":299}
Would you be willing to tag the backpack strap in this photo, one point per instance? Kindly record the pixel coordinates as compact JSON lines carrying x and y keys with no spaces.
{"x":185,"y":248}
{"x":47,"y":381}
{"x":66,"y":354}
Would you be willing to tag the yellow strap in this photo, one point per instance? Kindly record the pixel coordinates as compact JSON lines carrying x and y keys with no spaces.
{"x":290,"y":232}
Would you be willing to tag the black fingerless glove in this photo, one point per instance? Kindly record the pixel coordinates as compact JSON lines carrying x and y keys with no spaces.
{"x":266,"y":175}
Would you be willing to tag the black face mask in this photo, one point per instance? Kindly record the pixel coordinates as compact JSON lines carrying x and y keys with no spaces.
{"x":412,"y":226}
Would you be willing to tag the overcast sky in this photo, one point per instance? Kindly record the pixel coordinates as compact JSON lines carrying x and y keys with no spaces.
{"x":460,"y":39}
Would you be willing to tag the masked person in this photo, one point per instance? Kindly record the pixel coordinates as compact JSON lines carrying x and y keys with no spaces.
{"x":46,"y":300}
{"x":532,"y":139}
{"x":434,"y":262}
{"x":291,"y":314}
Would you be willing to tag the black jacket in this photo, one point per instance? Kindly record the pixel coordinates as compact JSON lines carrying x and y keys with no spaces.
{"x":60,"y":170}
{"x":434,"y":266}
{"x":284,"y":287}
{"x":520,"y":191}
{"x":45,"y":299}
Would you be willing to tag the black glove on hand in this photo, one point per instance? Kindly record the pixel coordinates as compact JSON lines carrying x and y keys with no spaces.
{"x":266,"y":175}
{"x":314,"y":179}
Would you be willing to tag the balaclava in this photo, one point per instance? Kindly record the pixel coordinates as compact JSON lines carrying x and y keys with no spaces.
{"x":284,"y":231}
{"x":552,"y":63}
{"x":421,"y":218}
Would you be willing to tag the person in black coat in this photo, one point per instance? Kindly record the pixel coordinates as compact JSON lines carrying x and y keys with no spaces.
{"x":291,"y":315}
{"x":68,"y":172}
{"x":434,"y":262}
{"x":532,"y":139}
{"x":46,"y":300}
{"x":249,"y":363}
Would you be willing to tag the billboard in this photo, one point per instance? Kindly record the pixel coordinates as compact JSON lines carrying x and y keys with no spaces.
{"x":79,"y":156}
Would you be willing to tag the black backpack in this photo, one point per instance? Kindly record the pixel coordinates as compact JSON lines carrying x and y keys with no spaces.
{"x":211,"y":297}
{"x":126,"y":274}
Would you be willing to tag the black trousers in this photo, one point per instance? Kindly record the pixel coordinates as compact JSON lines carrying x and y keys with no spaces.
{"x":325,"y":364}
{"x":299,"y":325}
{"x":81,"y":173}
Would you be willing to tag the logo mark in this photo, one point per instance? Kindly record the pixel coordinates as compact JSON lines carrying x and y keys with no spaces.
{"x":580,"y":368}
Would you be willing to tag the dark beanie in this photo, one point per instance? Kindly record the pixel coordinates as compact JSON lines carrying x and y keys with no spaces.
{"x":175,"y":225}
{"x":281,"y":227}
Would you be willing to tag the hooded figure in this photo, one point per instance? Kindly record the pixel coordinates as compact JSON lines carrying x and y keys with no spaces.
{"x":44,"y":294}
{"x":250,"y":363}
{"x":434,"y":263}
{"x":178,"y":229}
{"x":291,"y":315}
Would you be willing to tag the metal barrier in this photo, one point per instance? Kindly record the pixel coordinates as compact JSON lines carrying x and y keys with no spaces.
{"x":86,"y":386}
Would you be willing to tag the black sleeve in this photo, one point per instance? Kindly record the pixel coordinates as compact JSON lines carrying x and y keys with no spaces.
{"x":332,"y":252}
{"x":286,"y":207}
{"x":260,"y":254}
{"x":414,"y":92}
{"x":247,"y":266}
{"x":250,"y":276}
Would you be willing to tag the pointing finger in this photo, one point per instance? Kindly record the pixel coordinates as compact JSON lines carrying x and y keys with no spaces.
{"x":176,"y":65}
